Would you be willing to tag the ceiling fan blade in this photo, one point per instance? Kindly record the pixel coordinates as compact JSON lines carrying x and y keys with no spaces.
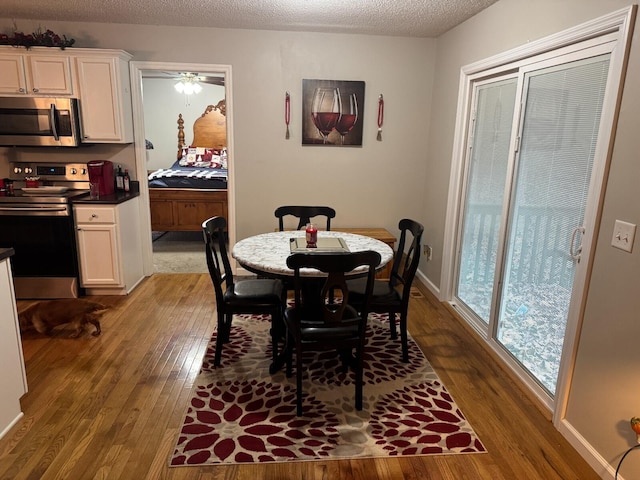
{"x":212,"y":80}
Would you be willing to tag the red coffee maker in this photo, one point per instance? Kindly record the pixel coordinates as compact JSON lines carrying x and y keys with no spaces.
{"x":101,"y":173}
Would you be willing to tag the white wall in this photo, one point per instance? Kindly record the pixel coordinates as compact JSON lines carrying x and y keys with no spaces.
{"x":162,"y":105}
{"x":604,"y":388}
{"x":375,"y":185}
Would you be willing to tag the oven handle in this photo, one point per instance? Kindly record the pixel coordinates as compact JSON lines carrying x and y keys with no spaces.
{"x":33,"y":209}
{"x":52,"y":120}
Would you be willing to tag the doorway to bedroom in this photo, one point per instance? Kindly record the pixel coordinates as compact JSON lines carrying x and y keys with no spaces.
{"x":165,"y":127}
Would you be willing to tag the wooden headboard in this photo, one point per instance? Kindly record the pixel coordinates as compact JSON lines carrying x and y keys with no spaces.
{"x":209,"y":129}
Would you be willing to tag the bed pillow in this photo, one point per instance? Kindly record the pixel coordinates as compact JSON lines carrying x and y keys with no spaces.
{"x":203,"y":157}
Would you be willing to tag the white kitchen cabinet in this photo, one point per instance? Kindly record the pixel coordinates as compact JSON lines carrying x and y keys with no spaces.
{"x":13,"y":80}
{"x":105,"y":97}
{"x":12,"y":375}
{"x":99,"y":78}
{"x":46,"y":73}
{"x":109,"y":247}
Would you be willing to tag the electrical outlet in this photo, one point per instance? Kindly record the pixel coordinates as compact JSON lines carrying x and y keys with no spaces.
{"x":623,"y":235}
{"x":426,"y":251}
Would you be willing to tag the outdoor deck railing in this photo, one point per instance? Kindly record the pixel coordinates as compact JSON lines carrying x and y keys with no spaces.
{"x":540,"y":251}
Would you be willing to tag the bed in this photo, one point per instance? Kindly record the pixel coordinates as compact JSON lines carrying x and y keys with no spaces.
{"x":194,"y":188}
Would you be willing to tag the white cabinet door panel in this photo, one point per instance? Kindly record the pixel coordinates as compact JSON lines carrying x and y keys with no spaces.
{"x":50,"y":75}
{"x":99,"y":255}
{"x":12,"y":77}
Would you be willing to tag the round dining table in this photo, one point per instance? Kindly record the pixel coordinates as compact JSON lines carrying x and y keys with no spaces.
{"x":266,"y":254}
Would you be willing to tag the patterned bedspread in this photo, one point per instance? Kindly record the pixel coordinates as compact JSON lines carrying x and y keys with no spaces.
{"x":189,"y":177}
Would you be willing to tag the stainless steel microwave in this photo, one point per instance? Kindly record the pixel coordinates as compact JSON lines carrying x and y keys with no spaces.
{"x":39,"y":121}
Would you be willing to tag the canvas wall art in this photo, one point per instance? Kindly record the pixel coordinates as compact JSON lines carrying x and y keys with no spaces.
{"x":332,"y":112}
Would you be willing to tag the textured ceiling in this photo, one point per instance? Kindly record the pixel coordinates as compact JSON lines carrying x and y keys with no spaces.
{"x":411,"y":18}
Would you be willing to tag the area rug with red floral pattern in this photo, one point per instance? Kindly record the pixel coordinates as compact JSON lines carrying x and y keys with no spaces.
{"x":240,"y":413}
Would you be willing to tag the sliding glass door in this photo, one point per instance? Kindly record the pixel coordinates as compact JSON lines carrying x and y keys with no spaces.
{"x":532,"y":142}
{"x":490,"y":149}
{"x":558,"y":138}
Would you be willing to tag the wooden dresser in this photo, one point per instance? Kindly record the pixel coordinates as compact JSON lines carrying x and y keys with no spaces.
{"x":178,"y":209}
{"x":379,"y":234}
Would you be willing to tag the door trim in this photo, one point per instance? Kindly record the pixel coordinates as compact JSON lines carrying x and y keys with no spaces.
{"x":137,"y":71}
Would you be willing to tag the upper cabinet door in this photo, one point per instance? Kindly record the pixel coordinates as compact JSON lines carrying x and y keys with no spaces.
{"x":50,"y":75}
{"x":12,"y":76}
{"x":28,"y":74}
{"x":105,"y":100}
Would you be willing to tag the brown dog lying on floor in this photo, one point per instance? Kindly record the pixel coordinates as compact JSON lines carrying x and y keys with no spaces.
{"x":45,"y":315}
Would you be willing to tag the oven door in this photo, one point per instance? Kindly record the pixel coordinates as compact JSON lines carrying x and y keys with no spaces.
{"x":45,"y":263}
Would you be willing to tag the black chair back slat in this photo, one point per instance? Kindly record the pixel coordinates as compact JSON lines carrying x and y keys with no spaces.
{"x":304,"y":214}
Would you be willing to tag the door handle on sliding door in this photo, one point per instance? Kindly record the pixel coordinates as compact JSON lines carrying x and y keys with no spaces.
{"x":575,"y":254}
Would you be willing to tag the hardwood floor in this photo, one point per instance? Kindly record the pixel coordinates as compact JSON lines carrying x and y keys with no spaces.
{"x":109,"y":407}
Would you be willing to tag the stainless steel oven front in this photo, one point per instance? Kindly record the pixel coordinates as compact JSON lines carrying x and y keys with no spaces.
{"x":45,"y":263}
{"x":40,"y":228}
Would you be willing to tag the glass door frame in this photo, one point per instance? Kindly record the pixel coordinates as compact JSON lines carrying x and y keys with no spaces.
{"x":486,"y":330}
{"x":613,"y":28}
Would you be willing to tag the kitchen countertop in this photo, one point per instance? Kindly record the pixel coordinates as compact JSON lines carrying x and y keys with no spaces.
{"x":6,"y":253}
{"x":113,"y":199}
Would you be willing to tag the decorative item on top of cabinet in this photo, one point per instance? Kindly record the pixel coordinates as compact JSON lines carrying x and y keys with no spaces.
{"x":37,"y":38}
{"x":109,"y":247}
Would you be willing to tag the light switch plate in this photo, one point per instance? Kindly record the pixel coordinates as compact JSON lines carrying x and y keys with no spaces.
{"x":623,"y":235}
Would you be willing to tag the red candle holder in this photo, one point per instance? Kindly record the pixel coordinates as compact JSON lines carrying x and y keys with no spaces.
{"x":312,"y":235}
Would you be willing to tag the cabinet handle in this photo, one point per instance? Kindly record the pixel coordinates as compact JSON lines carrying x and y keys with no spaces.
{"x":35,"y":90}
{"x":93,"y":215}
{"x":21,"y":90}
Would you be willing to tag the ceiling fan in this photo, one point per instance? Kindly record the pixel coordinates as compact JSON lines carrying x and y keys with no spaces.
{"x":209,"y":78}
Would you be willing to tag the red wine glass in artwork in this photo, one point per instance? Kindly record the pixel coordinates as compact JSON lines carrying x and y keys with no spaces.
{"x":348,"y":114}
{"x":325,"y":110}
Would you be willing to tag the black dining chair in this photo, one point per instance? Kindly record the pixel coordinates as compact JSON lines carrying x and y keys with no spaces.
{"x":327,"y":321}
{"x":304,"y":215}
{"x":250,"y":296}
{"x":392,"y":296}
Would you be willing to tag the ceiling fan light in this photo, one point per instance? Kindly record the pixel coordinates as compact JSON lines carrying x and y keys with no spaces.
{"x":188,"y":84}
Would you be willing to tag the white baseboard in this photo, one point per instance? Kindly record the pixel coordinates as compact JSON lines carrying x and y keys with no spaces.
{"x":11,"y":424}
{"x":428,"y":283}
{"x":599,"y":464}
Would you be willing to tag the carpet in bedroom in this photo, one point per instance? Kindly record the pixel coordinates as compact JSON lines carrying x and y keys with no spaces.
{"x":178,"y":252}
